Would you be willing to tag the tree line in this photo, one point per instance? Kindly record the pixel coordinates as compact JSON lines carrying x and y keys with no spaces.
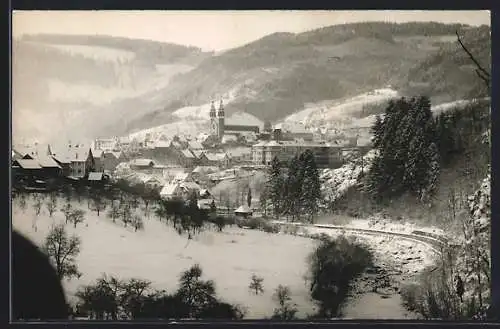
{"x":413,"y":146}
{"x":295,"y":191}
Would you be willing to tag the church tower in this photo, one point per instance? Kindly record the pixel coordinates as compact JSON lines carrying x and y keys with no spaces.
{"x":213,"y":120}
{"x":220,"y":126}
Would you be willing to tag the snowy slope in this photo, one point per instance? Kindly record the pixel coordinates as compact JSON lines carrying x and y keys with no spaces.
{"x":336,"y":109}
{"x":337,"y":181}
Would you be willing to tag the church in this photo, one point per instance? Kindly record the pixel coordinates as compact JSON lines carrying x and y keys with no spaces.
{"x":219,"y":128}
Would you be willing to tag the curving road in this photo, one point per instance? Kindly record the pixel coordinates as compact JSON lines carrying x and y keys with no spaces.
{"x":437,"y":242}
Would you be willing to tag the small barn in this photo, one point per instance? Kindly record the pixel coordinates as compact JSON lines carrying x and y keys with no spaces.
{"x":96,"y":178}
{"x":243,"y":211}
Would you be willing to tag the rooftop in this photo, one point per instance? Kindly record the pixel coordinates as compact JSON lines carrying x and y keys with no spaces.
{"x":28,"y":164}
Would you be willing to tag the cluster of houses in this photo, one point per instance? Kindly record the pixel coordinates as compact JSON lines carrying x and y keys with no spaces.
{"x":185,"y":184}
{"x":190,"y":154}
{"x":36,"y":164}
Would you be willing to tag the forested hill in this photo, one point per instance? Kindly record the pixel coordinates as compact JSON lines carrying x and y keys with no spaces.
{"x":276,"y":75}
{"x":114,"y":85}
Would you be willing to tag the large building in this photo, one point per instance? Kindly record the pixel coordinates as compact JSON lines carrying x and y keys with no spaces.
{"x":219,"y":128}
{"x":326,"y":155}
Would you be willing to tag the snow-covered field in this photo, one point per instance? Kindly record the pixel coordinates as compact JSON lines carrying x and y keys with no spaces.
{"x":159,"y":254}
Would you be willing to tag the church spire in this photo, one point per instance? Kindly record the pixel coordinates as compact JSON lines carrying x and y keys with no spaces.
{"x":221,"y":109}
{"x":212,"y":110}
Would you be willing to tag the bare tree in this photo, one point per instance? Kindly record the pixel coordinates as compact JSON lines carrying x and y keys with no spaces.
{"x":62,"y":250}
{"x":37,"y":204}
{"x":98,"y":203}
{"x":114,"y":211}
{"x":77,"y":216}
{"x":126,"y":214}
{"x":52,"y":204}
{"x":480,"y":71}
{"x":256,"y":284}
{"x":67,"y":210}
{"x":137,"y":222}
{"x":22,"y":201}
{"x":286,"y":309}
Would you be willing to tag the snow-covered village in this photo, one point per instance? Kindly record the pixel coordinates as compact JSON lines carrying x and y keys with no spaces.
{"x":324,"y":170}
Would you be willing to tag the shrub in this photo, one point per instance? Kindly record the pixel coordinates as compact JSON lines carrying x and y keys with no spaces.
{"x":270,"y":228}
{"x":332,"y":267}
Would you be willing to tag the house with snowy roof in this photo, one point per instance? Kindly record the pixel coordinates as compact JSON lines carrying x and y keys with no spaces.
{"x":76,"y":160}
{"x":219,"y":159}
{"x":195,"y":145}
{"x":171,"y":191}
{"x":187,"y":158}
{"x":141,"y":164}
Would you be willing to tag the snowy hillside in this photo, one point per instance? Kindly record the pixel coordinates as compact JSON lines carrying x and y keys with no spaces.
{"x":169,"y":130}
{"x":316,"y":113}
{"x":337,"y":181}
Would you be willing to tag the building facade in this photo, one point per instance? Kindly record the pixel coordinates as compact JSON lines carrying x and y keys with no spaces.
{"x":326,"y":155}
{"x":219,"y":127}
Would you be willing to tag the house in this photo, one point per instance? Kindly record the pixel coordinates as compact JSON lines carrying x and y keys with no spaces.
{"x":78,"y":157}
{"x":162,"y":149}
{"x":111,"y":159}
{"x":171,"y":191}
{"x":26,"y":169}
{"x":98,"y":160}
{"x":187,"y":158}
{"x":198,"y":153}
{"x":240,"y":154}
{"x":141,"y":164}
{"x":50,"y":168}
{"x":243,"y":211}
{"x":97,"y":178}
{"x":195,"y":146}
{"x":215,"y":159}
{"x":105,"y":144}
{"x":190,"y":188}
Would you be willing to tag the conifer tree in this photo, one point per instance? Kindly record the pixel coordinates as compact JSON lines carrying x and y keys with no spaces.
{"x":311,"y":186}
{"x":294,"y":188}
{"x":377,"y":131}
{"x":275,"y":186}
{"x":405,"y":156}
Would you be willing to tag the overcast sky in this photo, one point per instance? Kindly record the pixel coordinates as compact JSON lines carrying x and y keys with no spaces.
{"x":215,"y":30}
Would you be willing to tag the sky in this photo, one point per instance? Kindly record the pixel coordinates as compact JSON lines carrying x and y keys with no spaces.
{"x":215,"y":30}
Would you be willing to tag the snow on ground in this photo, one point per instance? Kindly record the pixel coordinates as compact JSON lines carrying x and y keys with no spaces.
{"x":159,"y":254}
{"x":337,"y":181}
{"x":335,"y":109}
{"x":455,"y":104}
{"x":169,"y":130}
{"x":410,"y":256}
{"x":372,"y":306}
